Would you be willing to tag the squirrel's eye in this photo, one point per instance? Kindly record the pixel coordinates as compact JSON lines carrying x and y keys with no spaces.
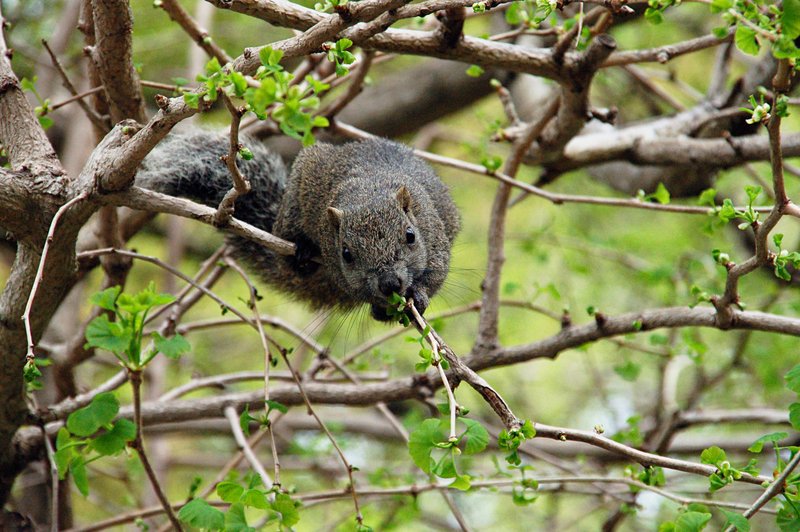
{"x":346,"y":255}
{"x":410,"y":236}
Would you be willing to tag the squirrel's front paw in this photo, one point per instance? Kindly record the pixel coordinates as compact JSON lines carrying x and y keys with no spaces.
{"x":420,"y":298}
{"x":381,"y":313}
{"x":303,"y":259}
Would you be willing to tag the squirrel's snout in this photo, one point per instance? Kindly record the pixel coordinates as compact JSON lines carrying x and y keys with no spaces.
{"x":390,"y":283}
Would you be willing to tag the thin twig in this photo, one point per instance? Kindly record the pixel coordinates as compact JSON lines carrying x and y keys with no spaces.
{"x":135,"y":376}
{"x":26,"y":317}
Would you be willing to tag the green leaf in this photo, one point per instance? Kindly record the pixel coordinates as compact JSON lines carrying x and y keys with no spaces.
{"x":790,"y":19}
{"x":287,"y":507}
{"x":422,"y":441}
{"x":477,"y":437}
{"x":758,"y":445}
{"x":462,"y":482}
{"x":721,"y":5}
{"x":739,"y":521}
{"x":109,"y":335}
{"x":198,"y":513}
{"x":270,"y":57}
{"x":794,"y":415}
{"x":77,"y":469}
{"x":213,"y":66}
{"x":793,"y":379}
{"x":654,"y":16}
{"x":107,"y":298}
{"x":172,"y":347}
{"x":239,"y":83}
{"x":713,"y":456}
{"x":528,"y":430}
{"x":87,"y":420}
{"x":474,"y":71}
{"x":692,"y":521}
{"x":229,"y":491}
{"x":707,"y":197}
{"x":788,"y":519}
{"x":28,"y":85}
{"x":255,"y":498}
{"x":745,"y":39}
{"x":144,"y":300}
{"x":276,"y":405}
{"x":661,"y":195}
{"x":115,"y":440}
{"x":192,"y":100}
{"x":236,"y":521}
{"x":446,"y":467}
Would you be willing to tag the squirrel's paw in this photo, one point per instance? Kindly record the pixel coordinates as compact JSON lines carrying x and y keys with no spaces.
{"x":420,"y":298}
{"x":303,"y":259}
{"x":379,"y":312}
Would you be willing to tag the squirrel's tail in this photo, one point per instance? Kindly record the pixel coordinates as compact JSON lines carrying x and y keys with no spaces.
{"x":189,"y":165}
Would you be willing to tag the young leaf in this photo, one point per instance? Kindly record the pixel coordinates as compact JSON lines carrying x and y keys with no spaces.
{"x":109,"y":335}
{"x":793,"y":379}
{"x":198,"y":513}
{"x":422,"y":441}
{"x":235,"y":519}
{"x":77,"y":469}
{"x":794,"y":415}
{"x":790,"y":19}
{"x":745,"y":39}
{"x":713,"y":456}
{"x":229,"y":491}
{"x":477,"y":437}
{"x":462,"y":482}
{"x":172,"y":347}
{"x":758,"y":445}
{"x":287,"y":508}
{"x":87,"y":420}
{"x":115,"y":440}
{"x":107,"y":298}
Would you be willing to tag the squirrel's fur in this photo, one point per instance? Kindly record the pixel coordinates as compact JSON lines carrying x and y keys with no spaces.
{"x":369,"y":218}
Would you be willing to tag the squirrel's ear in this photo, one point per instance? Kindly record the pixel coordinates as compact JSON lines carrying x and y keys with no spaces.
{"x":335,"y":217}
{"x":404,"y":198}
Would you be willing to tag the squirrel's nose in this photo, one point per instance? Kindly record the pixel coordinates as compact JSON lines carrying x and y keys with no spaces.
{"x":390,"y":283}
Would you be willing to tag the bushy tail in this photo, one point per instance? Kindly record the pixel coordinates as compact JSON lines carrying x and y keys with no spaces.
{"x":189,"y":165}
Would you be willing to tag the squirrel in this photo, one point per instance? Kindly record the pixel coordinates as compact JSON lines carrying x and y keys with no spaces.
{"x":368,"y":218}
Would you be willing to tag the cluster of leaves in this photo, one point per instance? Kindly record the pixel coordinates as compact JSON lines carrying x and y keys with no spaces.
{"x":728,"y":211}
{"x":784,"y":258}
{"x":760,"y":112}
{"x":245,"y":418}
{"x":438,"y":455}
{"x":41,"y":110}
{"x":725,"y":473}
{"x":396,"y":309}
{"x":661,"y":195}
{"x":339,"y":56}
{"x":510,"y":440}
{"x":32,"y":374}
{"x":78,"y":443}
{"x":429,"y":358}
{"x":268,"y":94}
{"x":762,"y":24}
{"x":124,"y":335}
{"x":529,"y":13}
{"x":278,"y":507}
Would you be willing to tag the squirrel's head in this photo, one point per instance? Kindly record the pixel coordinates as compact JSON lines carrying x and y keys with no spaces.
{"x":380,"y":247}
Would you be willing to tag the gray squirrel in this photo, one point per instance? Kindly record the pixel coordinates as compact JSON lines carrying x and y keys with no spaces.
{"x":368,"y":218}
